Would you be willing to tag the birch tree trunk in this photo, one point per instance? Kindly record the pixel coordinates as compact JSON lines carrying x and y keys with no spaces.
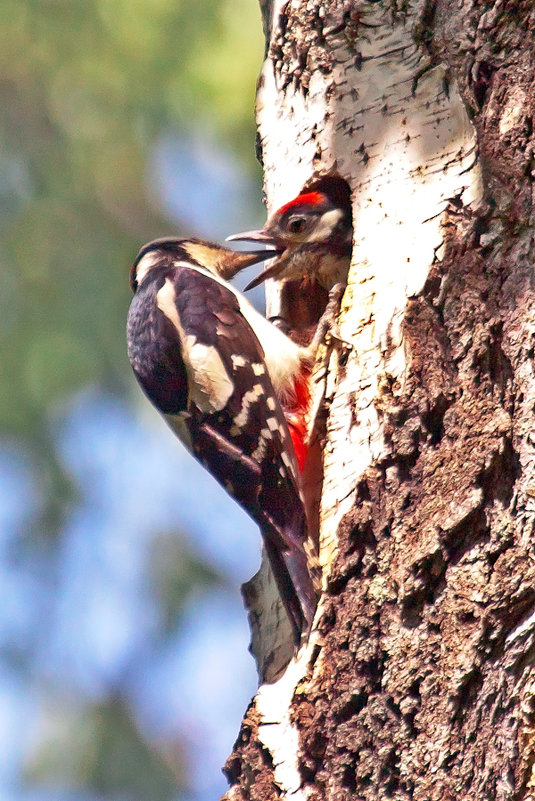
{"x":418,"y":682}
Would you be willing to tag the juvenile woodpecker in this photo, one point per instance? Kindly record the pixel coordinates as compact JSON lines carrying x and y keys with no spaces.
{"x":216,"y":369}
{"x":312,"y":236}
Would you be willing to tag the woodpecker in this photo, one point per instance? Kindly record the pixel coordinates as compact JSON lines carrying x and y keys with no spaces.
{"x":312,"y":236}
{"x":217,"y":370}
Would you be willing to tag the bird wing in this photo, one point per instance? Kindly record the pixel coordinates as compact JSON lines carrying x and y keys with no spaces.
{"x":236,"y":425}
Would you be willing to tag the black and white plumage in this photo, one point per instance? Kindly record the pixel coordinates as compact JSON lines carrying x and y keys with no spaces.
{"x":194,"y":351}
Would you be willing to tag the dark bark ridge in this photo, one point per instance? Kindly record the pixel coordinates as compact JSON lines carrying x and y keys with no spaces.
{"x":434,"y":579}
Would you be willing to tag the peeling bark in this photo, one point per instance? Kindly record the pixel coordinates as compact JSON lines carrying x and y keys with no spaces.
{"x":418,"y":681}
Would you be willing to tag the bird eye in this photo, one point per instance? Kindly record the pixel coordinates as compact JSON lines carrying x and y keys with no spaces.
{"x":296,"y":224}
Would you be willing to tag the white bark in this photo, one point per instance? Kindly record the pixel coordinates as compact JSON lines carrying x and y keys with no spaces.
{"x":276,"y":731}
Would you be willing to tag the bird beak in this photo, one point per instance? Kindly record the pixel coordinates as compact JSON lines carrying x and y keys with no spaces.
{"x":253,"y":236}
{"x":270,"y":272}
{"x":234,"y":261}
{"x":267,"y":238}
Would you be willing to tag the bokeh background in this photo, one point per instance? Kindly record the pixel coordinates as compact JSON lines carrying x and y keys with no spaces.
{"x":124,"y":669}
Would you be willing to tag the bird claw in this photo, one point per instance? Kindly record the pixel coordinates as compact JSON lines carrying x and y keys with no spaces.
{"x":328,"y":328}
{"x":337,"y":292}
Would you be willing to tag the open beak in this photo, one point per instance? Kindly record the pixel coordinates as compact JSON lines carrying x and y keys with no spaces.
{"x":234,"y":261}
{"x":253,"y":236}
{"x":268,"y":239}
{"x":270,"y":272}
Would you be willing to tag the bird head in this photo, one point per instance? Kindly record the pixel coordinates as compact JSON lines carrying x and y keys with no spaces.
{"x":309,"y":222}
{"x":219,"y":260}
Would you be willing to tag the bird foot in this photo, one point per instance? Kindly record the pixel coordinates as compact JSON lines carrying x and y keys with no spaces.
{"x":328,"y":329}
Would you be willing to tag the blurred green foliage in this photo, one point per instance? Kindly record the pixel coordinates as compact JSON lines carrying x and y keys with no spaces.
{"x":108,"y":754}
{"x":86,"y":88}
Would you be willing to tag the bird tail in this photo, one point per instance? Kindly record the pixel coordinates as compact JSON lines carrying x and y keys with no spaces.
{"x":290,"y":565}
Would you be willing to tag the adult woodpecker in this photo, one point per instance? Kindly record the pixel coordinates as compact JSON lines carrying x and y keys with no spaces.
{"x":216,"y":369}
{"x":313,"y":238}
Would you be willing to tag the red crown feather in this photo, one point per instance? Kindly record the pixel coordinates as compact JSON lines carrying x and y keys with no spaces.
{"x":308,"y":199}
